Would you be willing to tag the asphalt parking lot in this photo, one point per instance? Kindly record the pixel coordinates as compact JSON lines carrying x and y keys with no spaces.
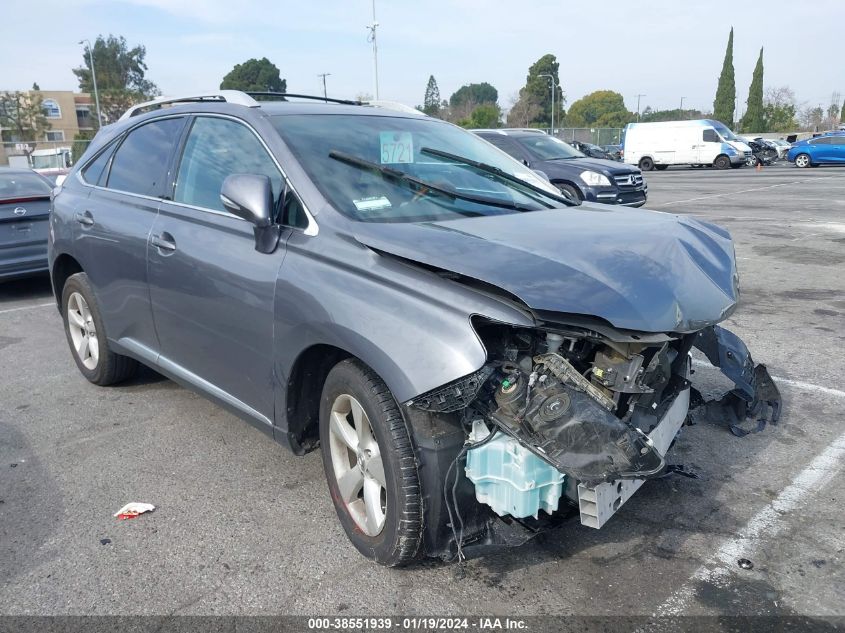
{"x":244,"y":527}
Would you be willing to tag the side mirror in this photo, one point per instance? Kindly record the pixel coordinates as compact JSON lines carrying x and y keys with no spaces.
{"x":525,"y":162}
{"x":250,"y":196}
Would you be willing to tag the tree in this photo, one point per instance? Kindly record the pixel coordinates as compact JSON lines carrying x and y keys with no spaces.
{"x":537,"y":91}
{"x":254,"y":75}
{"x":602,"y":108}
{"x":523,"y":112}
{"x":779,"y":110}
{"x":22,"y":118}
{"x":35,"y":86}
{"x":753,"y":119}
{"x":121,"y":75}
{"x":431,"y":102}
{"x":486,"y":115}
{"x":723,"y":106}
{"x":475,"y":94}
{"x":649,"y":115}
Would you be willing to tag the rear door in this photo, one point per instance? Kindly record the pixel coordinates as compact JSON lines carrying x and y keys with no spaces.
{"x":212,"y":293}
{"x":127,"y":179}
{"x":24,"y":211}
{"x":837,"y":149}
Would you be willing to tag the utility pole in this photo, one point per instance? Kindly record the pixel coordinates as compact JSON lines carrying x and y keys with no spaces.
{"x":324,"y":75}
{"x":93,"y":78}
{"x":638,"y":106}
{"x":682,"y":107}
{"x":554,"y":90}
{"x":372,"y":38}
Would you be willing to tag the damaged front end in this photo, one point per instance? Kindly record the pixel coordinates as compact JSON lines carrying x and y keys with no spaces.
{"x":566,"y":417}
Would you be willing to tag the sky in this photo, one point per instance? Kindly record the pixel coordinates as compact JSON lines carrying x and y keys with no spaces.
{"x":663,"y":49}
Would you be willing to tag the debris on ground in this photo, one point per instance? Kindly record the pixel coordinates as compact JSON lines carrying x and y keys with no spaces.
{"x":131,"y":510}
{"x":745,"y":563}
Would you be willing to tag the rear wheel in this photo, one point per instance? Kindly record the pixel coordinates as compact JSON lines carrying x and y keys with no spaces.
{"x":802,"y":160}
{"x":86,"y":335}
{"x":370,"y":465}
{"x":722,"y":162}
{"x":646,"y":164}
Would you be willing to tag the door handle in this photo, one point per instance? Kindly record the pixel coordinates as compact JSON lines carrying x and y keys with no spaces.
{"x":85,"y":219}
{"x":163,"y":241}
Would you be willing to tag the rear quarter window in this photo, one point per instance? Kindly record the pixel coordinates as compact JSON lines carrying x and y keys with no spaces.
{"x":140,"y":163}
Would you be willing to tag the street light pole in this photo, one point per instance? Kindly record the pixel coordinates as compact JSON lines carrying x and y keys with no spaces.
{"x":372,"y":38}
{"x":554,"y":90}
{"x":681,"y":109}
{"x":324,"y":75}
{"x":93,"y":78}
{"x":638,"y":106}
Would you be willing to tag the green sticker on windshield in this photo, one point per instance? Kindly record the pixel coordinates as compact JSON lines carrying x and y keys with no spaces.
{"x":396,"y":147}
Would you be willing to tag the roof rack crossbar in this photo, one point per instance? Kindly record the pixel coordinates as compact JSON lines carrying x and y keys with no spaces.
{"x":298,"y":96}
{"x":236,"y":97}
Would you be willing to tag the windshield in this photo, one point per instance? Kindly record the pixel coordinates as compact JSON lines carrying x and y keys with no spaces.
{"x":374,"y":168}
{"x":544,"y":147}
{"x":22,"y":185}
{"x":725,"y":132}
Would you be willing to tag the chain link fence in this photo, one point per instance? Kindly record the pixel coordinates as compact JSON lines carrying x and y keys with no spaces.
{"x":594,"y":135}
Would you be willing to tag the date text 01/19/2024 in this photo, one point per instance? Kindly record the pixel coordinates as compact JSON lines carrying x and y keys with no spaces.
{"x":415,"y":624}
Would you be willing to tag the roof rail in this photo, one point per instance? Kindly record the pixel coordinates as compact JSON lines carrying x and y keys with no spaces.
{"x":394,"y":105}
{"x":282,"y":96}
{"x":227,"y":96}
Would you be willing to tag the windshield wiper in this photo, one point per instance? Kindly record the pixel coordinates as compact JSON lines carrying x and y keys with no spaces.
{"x":423,"y":185}
{"x":501,"y":173}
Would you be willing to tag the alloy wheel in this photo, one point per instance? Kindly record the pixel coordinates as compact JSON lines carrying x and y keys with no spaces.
{"x":83,"y":331}
{"x":357,"y":464}
{"x":802,"y":161}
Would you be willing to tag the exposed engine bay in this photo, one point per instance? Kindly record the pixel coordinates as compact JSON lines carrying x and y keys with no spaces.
{"x":569,"y":417}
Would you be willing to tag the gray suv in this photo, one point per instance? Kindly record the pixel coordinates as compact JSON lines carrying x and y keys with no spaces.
{"x":473,"y":356}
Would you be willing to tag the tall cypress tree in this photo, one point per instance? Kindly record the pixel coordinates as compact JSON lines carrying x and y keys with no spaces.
{"x":431,"y":102}
{"x":723,"y":106}
{"x":753,"y":120}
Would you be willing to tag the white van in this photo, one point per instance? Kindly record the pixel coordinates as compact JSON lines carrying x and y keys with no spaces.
{"x":701,"y":142}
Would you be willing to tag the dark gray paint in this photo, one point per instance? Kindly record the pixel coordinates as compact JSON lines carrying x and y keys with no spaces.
{"x":230,"y":322}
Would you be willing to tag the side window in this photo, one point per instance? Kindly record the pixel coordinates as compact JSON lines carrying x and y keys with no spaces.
{"x":822,"y":140}
{"x":505,"y":144}
{"x":94,"y":172}
{"x":837,"y":140}
{"x":710,"y":136}
{"x":293,"y":214}
{"x":217,"y":148}
{"x":140,"y":163}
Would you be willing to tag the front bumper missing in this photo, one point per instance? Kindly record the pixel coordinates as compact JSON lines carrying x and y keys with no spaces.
{"x":596,"y":504}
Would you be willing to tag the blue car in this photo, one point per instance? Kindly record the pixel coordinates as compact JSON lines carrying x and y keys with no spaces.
{"x":817,"y":151}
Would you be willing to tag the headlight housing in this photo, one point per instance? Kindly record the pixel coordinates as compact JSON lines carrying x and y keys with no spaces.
{"x":595,"y":179}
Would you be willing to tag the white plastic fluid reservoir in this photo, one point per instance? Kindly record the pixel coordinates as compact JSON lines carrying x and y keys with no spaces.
{"x":511,"y":479}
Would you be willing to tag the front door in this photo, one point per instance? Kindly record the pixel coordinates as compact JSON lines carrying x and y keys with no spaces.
{"x":212,"y":293}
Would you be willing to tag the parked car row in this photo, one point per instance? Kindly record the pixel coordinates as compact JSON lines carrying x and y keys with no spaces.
{"x":470,"y":349}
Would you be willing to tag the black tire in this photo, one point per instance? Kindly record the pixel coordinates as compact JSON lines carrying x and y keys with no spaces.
{"x":661,"y":167}
{"x":646,"y":164}
{"x":110,"y":368}
{"x":569,"y":190}
{"x":398,"y":542}
{"x":722,"y":162}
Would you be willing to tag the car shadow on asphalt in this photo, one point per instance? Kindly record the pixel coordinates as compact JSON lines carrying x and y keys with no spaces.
{"x":37,"y":287}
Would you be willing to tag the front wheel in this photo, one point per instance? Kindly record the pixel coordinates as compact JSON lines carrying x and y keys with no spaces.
{"x":370,"y":465}
{"x":722,"y":162}
{"x":86,"y":335}
{"x":752,"y":161}
{"x":802,"y":160}
{"x":569,"y":191}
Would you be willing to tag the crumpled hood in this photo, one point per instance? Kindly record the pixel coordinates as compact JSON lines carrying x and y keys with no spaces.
{"x":637,"y":269}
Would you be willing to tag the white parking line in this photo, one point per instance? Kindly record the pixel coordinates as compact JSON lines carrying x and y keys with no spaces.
{"x":733,"y":193}
{"x":799,"y":384}
{"x":766,"y":523}
{"x":40,"y":305}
